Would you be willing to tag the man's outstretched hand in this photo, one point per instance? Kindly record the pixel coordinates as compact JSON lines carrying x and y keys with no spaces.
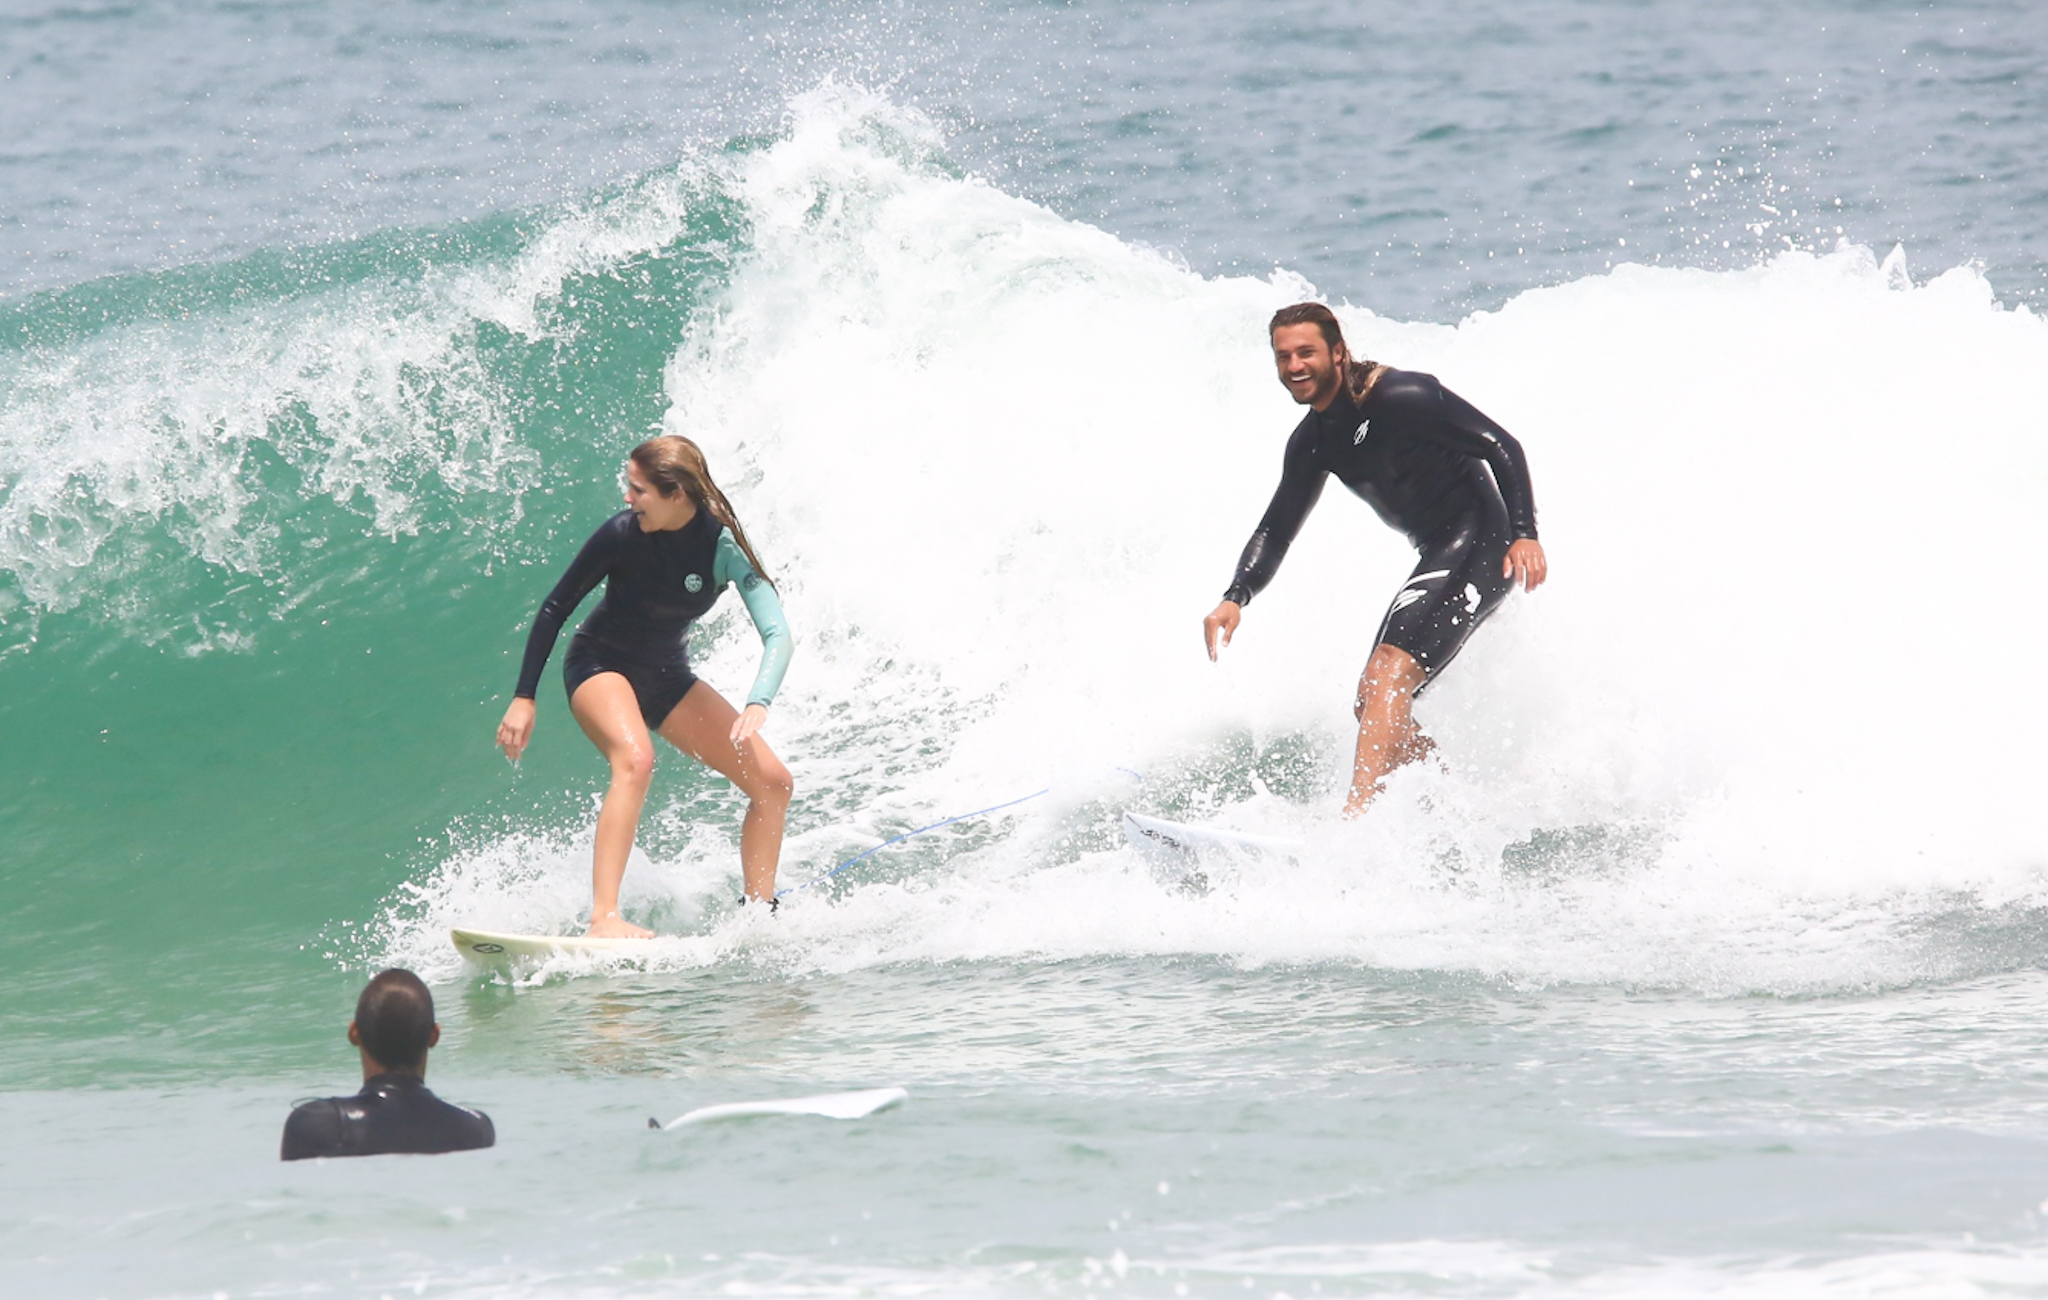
{"x":1524,"y":563}
{"x":1225,"y":620}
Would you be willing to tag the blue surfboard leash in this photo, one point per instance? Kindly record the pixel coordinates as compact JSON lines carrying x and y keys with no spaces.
{"x":980,"y":812}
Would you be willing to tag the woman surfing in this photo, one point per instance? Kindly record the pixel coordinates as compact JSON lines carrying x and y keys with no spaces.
{"x":665,"y":560}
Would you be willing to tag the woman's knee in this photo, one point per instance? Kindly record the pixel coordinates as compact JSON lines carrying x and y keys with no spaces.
{"x":771,"y":784}
{"x":633,"y":765}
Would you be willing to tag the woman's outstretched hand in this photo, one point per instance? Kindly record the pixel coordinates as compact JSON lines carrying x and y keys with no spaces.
{"x":1525,"y":564}
{"x":516,"y":729}
{"x":750,"y":721}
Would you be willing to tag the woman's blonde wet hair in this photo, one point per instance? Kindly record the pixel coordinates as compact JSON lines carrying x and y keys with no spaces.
{"x":672,"y":464}
{"x":1359,"y":375}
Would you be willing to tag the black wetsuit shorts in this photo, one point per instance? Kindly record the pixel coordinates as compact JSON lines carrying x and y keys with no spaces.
{"x":659,"y":687}
{"x":1457,"y":582}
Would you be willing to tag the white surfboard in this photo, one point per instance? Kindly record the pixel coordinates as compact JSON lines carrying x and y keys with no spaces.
{"x":1185,"y":856}
{"x":831,"y":1105}
{"x":490,"y":948}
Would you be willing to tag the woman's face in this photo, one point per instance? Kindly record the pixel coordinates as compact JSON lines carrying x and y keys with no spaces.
{"x":658,"y":514}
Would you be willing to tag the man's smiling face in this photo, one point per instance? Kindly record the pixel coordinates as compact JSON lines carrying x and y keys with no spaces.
{"x":1309,"y":369}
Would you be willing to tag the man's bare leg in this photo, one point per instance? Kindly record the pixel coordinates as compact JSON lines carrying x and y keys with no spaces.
{"x":1387,"y":734}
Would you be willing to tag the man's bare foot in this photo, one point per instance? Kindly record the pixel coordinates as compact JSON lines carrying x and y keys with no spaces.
{"x":1417,"y":747}
{"x":613,"y":926}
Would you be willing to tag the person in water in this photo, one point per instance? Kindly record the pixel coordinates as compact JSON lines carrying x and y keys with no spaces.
{"x":665,"y":560}
{"x":394,"y":1114}
{"x":1433,"y":467}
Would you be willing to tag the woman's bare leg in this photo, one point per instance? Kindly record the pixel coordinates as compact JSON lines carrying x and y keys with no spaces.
{"x":701,"y":726}
{"x":1387,"y":734}
{"x":609,"y":713}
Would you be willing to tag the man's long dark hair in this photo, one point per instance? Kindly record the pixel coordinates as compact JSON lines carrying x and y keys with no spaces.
{"x":1359,"y":375}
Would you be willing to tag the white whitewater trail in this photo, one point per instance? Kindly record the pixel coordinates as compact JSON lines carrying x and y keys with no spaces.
{"x":1778,"y":710}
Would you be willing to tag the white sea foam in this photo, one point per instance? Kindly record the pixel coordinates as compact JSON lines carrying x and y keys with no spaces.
{"x":1776,"y":709}
{"x":1423,"y":1267}
{"x":1498,"y":1268}
{"x":371,"y":396}
{"x":1774,"y":723}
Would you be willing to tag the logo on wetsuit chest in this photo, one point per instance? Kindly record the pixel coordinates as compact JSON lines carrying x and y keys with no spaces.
{"x":693,"y":584}
{"x":1359,"y":437}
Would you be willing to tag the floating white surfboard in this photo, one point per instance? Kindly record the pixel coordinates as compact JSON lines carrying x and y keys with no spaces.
{"x":490,"y":948}
{"x":831,"y":1105}
{"x":1185,"y":855}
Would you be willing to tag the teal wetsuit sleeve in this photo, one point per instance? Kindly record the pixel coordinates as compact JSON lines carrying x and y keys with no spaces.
{"x":765,"y":608}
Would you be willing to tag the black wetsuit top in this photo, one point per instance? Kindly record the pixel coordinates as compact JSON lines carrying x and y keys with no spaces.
{"x":1415,"y":451}
{"x":394,"y":1114}
{"x":659,"y":584}
{"x":656,"y":585}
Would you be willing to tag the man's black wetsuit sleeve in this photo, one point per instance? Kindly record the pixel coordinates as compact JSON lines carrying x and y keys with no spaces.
{"x":1301,"y":483}
{"x":1461,"y":427}
{"x":585,"y":572}
{"x":313,"y":1129}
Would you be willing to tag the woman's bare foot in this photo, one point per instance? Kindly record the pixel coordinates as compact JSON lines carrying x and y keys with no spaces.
{"x":613,"y":926}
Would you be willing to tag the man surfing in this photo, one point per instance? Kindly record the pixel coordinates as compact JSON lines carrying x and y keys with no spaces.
{"x":1431,"y":466}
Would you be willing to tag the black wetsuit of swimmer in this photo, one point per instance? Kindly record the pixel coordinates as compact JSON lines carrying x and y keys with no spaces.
{"x":394,"y":1114}
{"x":1420,"y":456}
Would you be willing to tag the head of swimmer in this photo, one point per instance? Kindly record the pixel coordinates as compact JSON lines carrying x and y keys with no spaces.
{"x":1309,"y":353}
{"x":666,"y":483}
{"x":394,"y":1025}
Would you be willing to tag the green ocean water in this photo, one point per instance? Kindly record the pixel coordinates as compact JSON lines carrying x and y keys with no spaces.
{"x":182,"y":821}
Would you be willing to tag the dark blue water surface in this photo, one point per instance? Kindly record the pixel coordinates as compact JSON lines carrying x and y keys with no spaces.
{"x":1424,"y":159}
